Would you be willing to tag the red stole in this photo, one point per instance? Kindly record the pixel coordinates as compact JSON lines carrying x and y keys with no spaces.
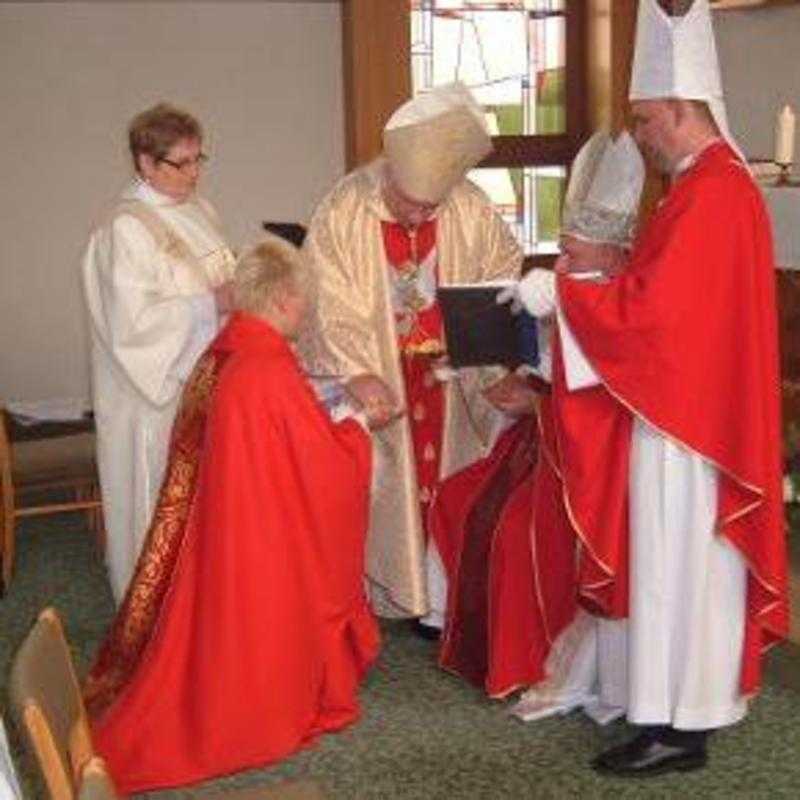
{"x":420,"y":336}
{"x":686,"y":338}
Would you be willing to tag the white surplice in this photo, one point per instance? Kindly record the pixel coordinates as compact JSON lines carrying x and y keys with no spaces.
{"x":148,"y":274}
{"x":677,"y":659}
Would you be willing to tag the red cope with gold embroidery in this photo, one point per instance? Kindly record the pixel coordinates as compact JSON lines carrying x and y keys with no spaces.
{"x":246,"y":632}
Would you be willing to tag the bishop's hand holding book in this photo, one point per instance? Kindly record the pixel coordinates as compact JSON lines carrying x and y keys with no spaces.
{"x":482,"y":330}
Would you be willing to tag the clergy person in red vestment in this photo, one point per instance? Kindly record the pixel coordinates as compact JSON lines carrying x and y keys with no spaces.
{"x":670,"y":460}
{"x":245,"y":631}
{"x":505,"y":535}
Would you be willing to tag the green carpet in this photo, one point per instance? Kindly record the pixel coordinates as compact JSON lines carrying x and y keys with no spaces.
{"x":424,"y":734}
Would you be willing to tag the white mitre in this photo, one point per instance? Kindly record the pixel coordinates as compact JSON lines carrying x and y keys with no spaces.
{"x":676,"y":56}
{"x":605,"y":187}
{"x":433,"y":140}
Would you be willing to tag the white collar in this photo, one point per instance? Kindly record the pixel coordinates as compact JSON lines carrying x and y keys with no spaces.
{"x":140,"y":189}
{"x":689,"y":161}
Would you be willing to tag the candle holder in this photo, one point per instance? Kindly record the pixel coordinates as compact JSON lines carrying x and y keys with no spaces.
{"x":785,"y":175}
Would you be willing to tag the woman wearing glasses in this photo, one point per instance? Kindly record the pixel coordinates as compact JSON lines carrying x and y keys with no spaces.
{"x":156,"y":276}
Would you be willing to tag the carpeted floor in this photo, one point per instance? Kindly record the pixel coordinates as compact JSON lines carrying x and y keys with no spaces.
{"x":424,"y":734}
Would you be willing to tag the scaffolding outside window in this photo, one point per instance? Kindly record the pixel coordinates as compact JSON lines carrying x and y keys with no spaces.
{"x":514,"y":56}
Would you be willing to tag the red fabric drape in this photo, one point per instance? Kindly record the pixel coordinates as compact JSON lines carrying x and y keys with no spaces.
{"x":686,"y":338}
{"x":509,"y":554}
{"x":263,"y":632}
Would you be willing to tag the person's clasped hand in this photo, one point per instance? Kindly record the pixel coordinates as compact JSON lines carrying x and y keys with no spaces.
{"x":375,"y":399}
{"x":579,"y":256}
{"x":513,"y":395}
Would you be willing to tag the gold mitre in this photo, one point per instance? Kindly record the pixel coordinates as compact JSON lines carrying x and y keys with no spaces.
{"x":433,"y":140}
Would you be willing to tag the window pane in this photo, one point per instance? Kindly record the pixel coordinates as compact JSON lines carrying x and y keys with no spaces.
{"x":529,"y":199}
{"x":511,"y":54}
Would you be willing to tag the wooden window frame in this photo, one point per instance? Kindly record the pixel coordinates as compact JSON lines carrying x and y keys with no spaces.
{"x":554,"y":149}
{"x":376,"y":39}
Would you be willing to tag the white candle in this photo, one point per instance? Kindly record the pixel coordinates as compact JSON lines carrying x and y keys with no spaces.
{"x":784,"y":136}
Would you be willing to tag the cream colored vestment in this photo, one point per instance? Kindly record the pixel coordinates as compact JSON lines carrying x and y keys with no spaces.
{"x":353,"y":332}
{"x":148,"y":273}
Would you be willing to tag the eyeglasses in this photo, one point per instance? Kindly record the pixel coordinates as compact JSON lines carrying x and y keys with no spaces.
{"x":184,"y":166}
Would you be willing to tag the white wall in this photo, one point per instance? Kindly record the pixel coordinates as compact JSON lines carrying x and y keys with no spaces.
{"x":759,"y":53}
{"x":263,"y":77}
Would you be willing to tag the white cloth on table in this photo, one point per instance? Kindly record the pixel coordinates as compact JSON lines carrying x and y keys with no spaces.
{"x":783,"y":203}
{"x":152,"y":313}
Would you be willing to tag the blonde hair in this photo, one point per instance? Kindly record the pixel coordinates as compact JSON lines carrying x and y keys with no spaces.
{"x":272,"y":264}
{"x":156,"y":130}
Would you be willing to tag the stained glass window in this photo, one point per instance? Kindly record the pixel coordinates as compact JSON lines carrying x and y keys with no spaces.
{"x":513,"y":55}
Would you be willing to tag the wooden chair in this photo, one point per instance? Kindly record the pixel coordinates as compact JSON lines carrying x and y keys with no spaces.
{"x":96,"y":783}
{"x":65,"y":463}
{"x":47,"y":704}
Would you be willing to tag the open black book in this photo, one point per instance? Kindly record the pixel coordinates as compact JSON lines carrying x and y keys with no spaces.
{"x":480,"y":332}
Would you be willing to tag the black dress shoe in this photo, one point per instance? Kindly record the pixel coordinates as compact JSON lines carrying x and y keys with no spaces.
{"x":427,"y":632}
{"x":648,"y":755}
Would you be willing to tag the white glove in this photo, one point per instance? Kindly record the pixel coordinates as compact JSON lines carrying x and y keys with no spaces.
{"x":537,"y":292}
{"x":510,"y":295}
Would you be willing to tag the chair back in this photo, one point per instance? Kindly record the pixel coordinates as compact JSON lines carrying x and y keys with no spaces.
{"x":56,"y":461}
{"x":96,"y":783}
{"x":46,"y":701}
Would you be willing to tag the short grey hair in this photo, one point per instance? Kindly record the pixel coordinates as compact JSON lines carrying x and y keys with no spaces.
{"x":262,"y":269}
{"x":155,"y":131}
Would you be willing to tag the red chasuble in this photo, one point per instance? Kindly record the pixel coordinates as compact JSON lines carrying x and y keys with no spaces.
{"x":686,"y":339}
{"x":245,"y":631}
{"x":509,"y":553}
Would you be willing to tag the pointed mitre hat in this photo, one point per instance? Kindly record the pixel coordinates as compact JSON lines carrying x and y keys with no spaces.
{"x":675,"y":56}
{"x":433,"y":140}
{"x":605,"y":186}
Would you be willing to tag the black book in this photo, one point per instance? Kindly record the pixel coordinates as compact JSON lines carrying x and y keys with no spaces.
{"x":293,"y":232}
{"x":480,"y":332}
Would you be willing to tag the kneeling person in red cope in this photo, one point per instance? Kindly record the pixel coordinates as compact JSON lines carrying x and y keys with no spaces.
{"x":245,"y":631}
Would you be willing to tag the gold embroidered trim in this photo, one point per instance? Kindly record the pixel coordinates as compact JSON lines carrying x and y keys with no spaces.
{"x":138,"y":615}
